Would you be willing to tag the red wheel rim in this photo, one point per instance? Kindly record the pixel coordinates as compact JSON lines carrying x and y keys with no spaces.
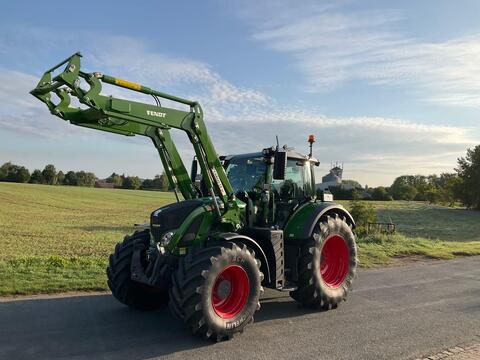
{"x":230,"y":292}
{"x":334,"y":261}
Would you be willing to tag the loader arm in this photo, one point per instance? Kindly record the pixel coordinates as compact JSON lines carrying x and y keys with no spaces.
{"x":126,"y":117}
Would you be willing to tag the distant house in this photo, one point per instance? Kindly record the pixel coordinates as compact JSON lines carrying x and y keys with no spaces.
{"x":332,"y":179}
{"x":104,"y":185}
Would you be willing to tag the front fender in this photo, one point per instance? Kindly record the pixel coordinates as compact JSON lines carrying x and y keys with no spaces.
{"x":302,"y":223}
{"x":255,"y":246}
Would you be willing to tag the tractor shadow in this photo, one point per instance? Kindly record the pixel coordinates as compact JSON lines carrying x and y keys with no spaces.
{"x":280,"y":306}
{"x":96,"y":326}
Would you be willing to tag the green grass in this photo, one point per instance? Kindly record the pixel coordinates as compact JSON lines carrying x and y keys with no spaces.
{"x":377,"y":250}
{"x":58,"y":238}
{"x":425,"y":230}
{"x":431,"y":221}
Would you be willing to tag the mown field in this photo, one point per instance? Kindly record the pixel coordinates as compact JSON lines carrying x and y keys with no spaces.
{"x":58,"y":238}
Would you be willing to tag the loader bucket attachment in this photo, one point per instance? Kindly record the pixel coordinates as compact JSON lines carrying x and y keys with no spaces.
{"x":47,"y":85}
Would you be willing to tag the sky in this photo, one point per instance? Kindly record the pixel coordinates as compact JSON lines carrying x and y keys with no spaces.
{"x":388,"y":88}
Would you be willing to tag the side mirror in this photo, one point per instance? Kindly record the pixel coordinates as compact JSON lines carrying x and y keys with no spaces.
{"x":279,"y":165}
{"x":194,"y":169}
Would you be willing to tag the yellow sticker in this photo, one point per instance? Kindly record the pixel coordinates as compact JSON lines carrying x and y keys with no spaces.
{"x":128,"y":84}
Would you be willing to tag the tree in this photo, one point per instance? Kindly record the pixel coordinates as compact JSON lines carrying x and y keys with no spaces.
{"x":4,"y":170}
{"x":49,"y":175}
{"x":114,"y":179}
{"x":340,"y":193}
{"x":403,"y":188}
{"x":380,"y":193}
{"x":36,"y":177}
{"x":469,"y":173}
{"x":60,"y":178}
{"x":131,"y":182}
{"x":449,"y":188}
{"x":71,"y":178}
{"x":19,"y":174}
{"x":163,"y":180}
{"x":14,"y":173}
{"x":433,"y":196}
{"x":159,"y":182}
{"x":352,"y":184}
{"x":85,"y":178}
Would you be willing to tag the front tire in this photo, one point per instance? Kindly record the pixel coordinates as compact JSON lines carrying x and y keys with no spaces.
{"x":124,"y":289}
{"x":327,"y":265}
{"x":216,"y":290}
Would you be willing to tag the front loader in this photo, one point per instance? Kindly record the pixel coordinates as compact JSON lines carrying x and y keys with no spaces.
{"x":245,"y":222}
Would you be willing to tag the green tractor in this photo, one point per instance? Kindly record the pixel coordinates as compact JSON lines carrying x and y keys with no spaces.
{"x":245,"y":222}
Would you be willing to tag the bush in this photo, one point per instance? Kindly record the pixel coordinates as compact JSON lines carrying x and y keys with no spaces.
{"x":363,"y":213}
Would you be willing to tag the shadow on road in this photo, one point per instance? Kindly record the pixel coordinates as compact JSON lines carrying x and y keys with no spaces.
{"x":97,"y":326}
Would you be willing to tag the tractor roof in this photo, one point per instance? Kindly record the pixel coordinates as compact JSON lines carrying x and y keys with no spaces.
{"x":291,"y":153}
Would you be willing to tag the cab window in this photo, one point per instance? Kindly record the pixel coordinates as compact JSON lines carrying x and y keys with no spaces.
{"x":298,"y":181}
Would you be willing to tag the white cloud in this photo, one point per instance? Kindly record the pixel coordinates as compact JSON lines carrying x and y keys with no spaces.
{"x":14,"y":88}
{"x":332,"y":47}
{"x":132,"y":59}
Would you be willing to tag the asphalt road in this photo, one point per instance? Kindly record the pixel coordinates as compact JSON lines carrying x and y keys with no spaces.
{"x":393,"y":313}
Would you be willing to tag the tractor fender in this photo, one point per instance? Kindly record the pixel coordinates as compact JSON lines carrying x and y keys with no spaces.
{"x":302,"y":222}
{"x":253,"y":245}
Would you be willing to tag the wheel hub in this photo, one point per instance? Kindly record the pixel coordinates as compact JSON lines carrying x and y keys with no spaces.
{"x":334,"y":261}
{"x":230,"y":292}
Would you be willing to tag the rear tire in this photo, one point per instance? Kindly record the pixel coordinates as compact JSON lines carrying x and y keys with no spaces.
{"x":124,"y":289}
{"x":327,"y":265}
{"x":216,"y":290}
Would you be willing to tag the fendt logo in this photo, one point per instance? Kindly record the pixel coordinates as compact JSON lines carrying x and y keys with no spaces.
{"x":156,"y":113}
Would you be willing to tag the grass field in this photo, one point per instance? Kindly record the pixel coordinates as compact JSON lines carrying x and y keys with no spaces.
{"x":423,"y":231}
{"x":58,"y":238}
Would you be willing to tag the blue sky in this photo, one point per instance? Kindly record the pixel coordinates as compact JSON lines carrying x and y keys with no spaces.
{"x":389,"y":88}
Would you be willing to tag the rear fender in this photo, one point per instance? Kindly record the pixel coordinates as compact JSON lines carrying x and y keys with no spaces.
{"x":302,"y":223}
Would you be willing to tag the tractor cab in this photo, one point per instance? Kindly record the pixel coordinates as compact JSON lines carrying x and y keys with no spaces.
{"x":271,"y":198}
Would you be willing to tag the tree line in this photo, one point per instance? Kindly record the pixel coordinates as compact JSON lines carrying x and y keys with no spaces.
{"x":462,"y":186}
{"x":10,"y":172}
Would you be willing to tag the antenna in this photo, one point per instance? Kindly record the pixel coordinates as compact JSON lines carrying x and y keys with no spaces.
{"x":278,"y":145}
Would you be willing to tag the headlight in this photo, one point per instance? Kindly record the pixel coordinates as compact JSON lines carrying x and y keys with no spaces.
{"x":166,"y":238}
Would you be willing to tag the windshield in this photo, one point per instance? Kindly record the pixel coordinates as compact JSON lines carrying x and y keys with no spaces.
{"x":246,"y":173}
